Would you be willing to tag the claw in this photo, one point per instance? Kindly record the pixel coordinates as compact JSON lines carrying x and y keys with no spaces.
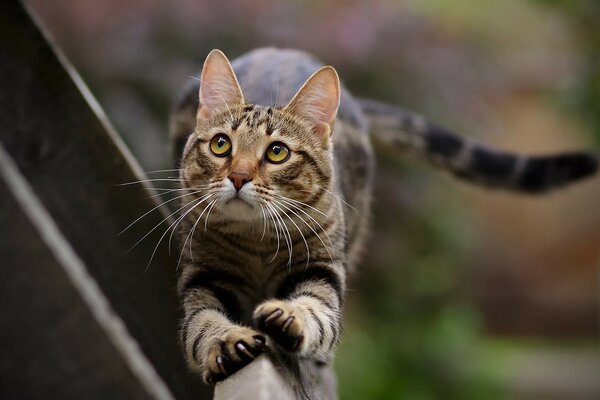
{"x":243,"y":351}
{"x":260,"y":340}
{"x":234,"y":351}
{"x":287,"y":324}
{"x":274,"y":315}
{"x":221,"y":365}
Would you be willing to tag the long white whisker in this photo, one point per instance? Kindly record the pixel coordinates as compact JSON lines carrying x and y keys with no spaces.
{"x":308,"y":215}
{"x":163,"y":191}
{"x":190,"y":235}
{"x":208,"y":215}
{"x":262,"y":208}
{"x":203,"y":198}
{"x":310,"y":227}
{"x":163,"y":170}
{"x":149,"y":180}
{"x":336,"y":196}
{"x":176,"y":222}
{"x":276,"y":231}
{"x":302,"y":204}
{"x":159,"y":224}
{"x":286,"y":232}
{"x":158,"y":206}
{"x":277,"y":204}
{"x":340,"y":199}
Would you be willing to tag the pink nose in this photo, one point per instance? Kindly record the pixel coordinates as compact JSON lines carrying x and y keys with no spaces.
{"x":239,"y":179}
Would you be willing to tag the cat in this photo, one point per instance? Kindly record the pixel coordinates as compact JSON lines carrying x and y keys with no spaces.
{"x":277,"y":169}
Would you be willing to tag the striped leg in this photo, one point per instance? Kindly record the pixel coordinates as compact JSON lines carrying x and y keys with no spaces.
{"x":306,"y":317}
{"x":214,"y":345}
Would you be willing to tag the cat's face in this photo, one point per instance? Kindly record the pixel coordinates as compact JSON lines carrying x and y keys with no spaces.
{"x":250,"y":161}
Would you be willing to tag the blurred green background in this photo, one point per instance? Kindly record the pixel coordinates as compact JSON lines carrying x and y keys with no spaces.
{"x":464,"y":293}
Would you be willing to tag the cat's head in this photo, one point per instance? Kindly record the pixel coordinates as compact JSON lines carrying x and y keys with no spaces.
{"x":249,"y":159}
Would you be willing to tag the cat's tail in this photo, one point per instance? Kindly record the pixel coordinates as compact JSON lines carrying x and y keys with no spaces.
{"x":473,"y":162}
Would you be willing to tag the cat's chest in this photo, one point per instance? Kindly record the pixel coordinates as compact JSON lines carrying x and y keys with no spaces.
{"x":261,"y":281}
{"x":262,"y":274}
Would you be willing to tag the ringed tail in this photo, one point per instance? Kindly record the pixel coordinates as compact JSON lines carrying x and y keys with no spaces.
{"x":474,"y":162}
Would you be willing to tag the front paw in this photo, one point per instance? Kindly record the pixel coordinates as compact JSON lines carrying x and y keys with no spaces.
{"x":228,"y":354}
{"x":281,"y":321}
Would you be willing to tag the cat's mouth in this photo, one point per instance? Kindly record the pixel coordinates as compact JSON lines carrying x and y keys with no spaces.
{"x":241,"y":204}
{"x":239,"y":209}
{"x":237,"y":198}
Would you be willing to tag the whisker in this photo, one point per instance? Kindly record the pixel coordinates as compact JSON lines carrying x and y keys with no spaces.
{"x":176,"y":222}
{"x":167,"y":190}
{"x":310,"y":227}
{"x":337,"y":197}
{"x":286,"y":234}
{"x":164,"y":192}
{"x":309,"y":216}
{"x":190,"y":235}
{"x":302,"y":203}
{"x":205,"y":197}
{"x":208,"y":215}
{"x":158,"y":171}
{"x":158,"y":206}
{"x":276,"y":232}
{"x":340,"y":199}
{"x":159,"y":224}
{"x":148,"y":180}
{"x":198,"y":187}
{"x":262,"y":208}
{"x":277,"y":204}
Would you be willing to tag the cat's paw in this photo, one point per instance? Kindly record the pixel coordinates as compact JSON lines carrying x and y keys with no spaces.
{"x":230,"y":353}
{"x":281,"y":322}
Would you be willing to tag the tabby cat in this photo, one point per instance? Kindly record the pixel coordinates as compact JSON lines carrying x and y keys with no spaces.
{"x":270,"y":165}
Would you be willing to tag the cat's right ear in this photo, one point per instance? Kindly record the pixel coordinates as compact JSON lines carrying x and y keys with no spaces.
{"x":219,"y":87}
{"x":318,"y":101}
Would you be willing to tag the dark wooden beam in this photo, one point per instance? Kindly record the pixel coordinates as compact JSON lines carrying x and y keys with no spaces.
{"x":69,"y":159}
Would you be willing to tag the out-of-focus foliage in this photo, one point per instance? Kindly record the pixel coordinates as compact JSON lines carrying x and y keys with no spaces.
{"x":411,"y":332}
{"x":584,"y":16}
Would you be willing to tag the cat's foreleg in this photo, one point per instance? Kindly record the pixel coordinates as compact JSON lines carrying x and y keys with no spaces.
{"x":305,"y":318}
{"x":215,"y":345}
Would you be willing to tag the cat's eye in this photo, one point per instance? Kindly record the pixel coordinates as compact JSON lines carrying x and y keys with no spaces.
{"x":220,"y":145}
{"x":277,"y":153}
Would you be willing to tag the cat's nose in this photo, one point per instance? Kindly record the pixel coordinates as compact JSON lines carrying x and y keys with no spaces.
{"x":239,"y":179}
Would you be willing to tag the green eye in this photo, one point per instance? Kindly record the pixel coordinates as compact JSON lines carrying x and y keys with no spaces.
{"x":278,"y":153}
{"x":220,"y":145}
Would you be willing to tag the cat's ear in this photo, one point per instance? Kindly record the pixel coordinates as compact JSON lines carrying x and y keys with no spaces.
{"x":318,"y":101}
{"x":219,"y":87}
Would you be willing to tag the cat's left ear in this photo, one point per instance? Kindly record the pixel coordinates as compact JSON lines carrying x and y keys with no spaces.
{"x":219,"y":87}
{"x":318,"y":100}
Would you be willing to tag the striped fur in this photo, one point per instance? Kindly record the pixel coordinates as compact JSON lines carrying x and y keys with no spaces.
{"x":474,"y":162}
{"x":272,"y":277}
